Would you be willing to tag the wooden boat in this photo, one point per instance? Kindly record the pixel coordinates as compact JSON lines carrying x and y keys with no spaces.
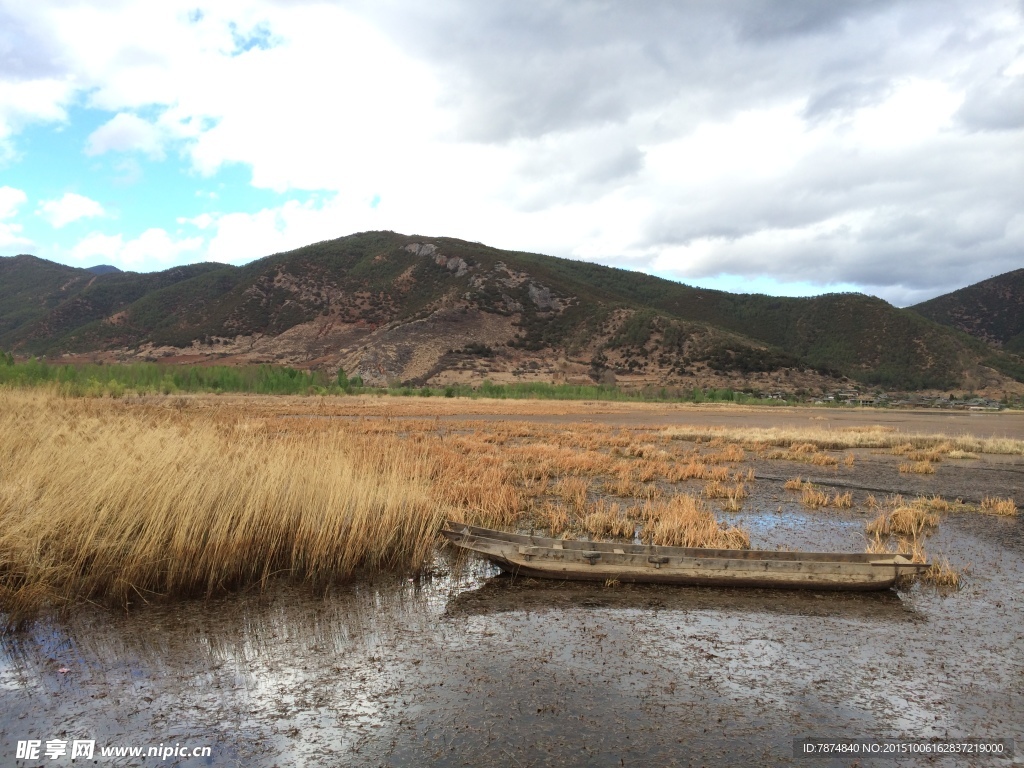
{"x":564,"y":559}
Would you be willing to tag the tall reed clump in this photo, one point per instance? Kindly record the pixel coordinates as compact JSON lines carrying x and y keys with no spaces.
{"x":685,"y":521}
{"x":102,"y":503}
{"x":911,"y":520}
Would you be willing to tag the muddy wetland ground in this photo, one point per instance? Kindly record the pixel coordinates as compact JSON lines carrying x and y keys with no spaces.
{"x":262,"y":576}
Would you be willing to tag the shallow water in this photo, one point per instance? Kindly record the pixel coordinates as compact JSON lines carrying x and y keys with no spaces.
{"x":466,"y":668}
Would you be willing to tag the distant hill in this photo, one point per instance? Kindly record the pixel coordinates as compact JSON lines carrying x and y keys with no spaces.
{"x":102,"y":269}
{"x":394,"y":308}
{"x":992,"y":310}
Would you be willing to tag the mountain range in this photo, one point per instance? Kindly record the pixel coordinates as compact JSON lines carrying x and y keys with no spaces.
{"x":394,"y":309}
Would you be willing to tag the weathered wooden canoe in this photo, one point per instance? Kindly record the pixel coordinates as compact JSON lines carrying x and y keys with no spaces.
{"x":599,"y":561}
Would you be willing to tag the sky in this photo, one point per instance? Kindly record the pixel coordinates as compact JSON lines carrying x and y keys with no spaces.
{"x":788,"y":148}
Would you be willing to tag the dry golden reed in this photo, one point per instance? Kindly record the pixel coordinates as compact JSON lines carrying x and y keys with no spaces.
{"x":903,"y":521}
{"x":553,"y":517}
{"x":842,"y":500}
{"x":684,"y":521}
{"x":98,"y":502}
{"x":824,"y":460}
{"x":943,"y":574}
{"x":812,"y":497}
{"x":609,"y":520}
{"x":918,"y":468}
{"x":574,"y":491}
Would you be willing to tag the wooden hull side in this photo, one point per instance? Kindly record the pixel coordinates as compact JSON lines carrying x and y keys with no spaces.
{"x":553,"y":559}
{"x":537,"y":570}
{"x":459,"y":529}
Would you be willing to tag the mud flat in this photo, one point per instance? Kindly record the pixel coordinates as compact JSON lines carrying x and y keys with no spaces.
{"x":464,"y":668}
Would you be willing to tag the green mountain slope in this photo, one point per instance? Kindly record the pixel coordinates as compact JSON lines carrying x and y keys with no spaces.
{"x":400,"y":308}
{"x":992,"y":310}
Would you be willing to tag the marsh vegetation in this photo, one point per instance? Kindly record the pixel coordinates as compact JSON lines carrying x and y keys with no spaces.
{"x":122,"y":501}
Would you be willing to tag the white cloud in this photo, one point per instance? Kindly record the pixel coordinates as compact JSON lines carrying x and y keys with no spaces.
{"x":126,"y":133}
{"x":153,"y":249}
{"x":23,"y":103}
{"x":236,"y":238}
{"x":71,"y":207}
{"x":97,"y":247}
{"x":10,"y":200}
{"x":10,"y":232}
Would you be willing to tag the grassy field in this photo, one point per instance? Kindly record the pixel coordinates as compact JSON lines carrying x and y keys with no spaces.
{"x":127,"y":379}
{"x":126,"y":500}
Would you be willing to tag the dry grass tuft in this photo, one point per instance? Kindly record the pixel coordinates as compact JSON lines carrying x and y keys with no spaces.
{"x":731,"y":452}
{"x":877,"y":545}
{"x":609,"y":520}
{"x":995,"y":506}
{"x":913,"y":548}
{"x":824,"y":460}
{"x":918,"y":468}
{"x":943,"y":574}
{"x":684,"y":521}
{"x":842,"y":500}
{"x":624,"y":484}
{"x":812,"y":497}
{"x":903,"y":521}
{"x":958,"y":454}
{"x":940,"y":574}
{"x":553,"y":517}
{"x":796,"y":484}
{"x":935,"y":503}
{"x":733,"y":494}
{"x":574,"y":490}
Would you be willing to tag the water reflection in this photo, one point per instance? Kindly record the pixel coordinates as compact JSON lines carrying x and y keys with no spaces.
{"x":505,"y":593}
